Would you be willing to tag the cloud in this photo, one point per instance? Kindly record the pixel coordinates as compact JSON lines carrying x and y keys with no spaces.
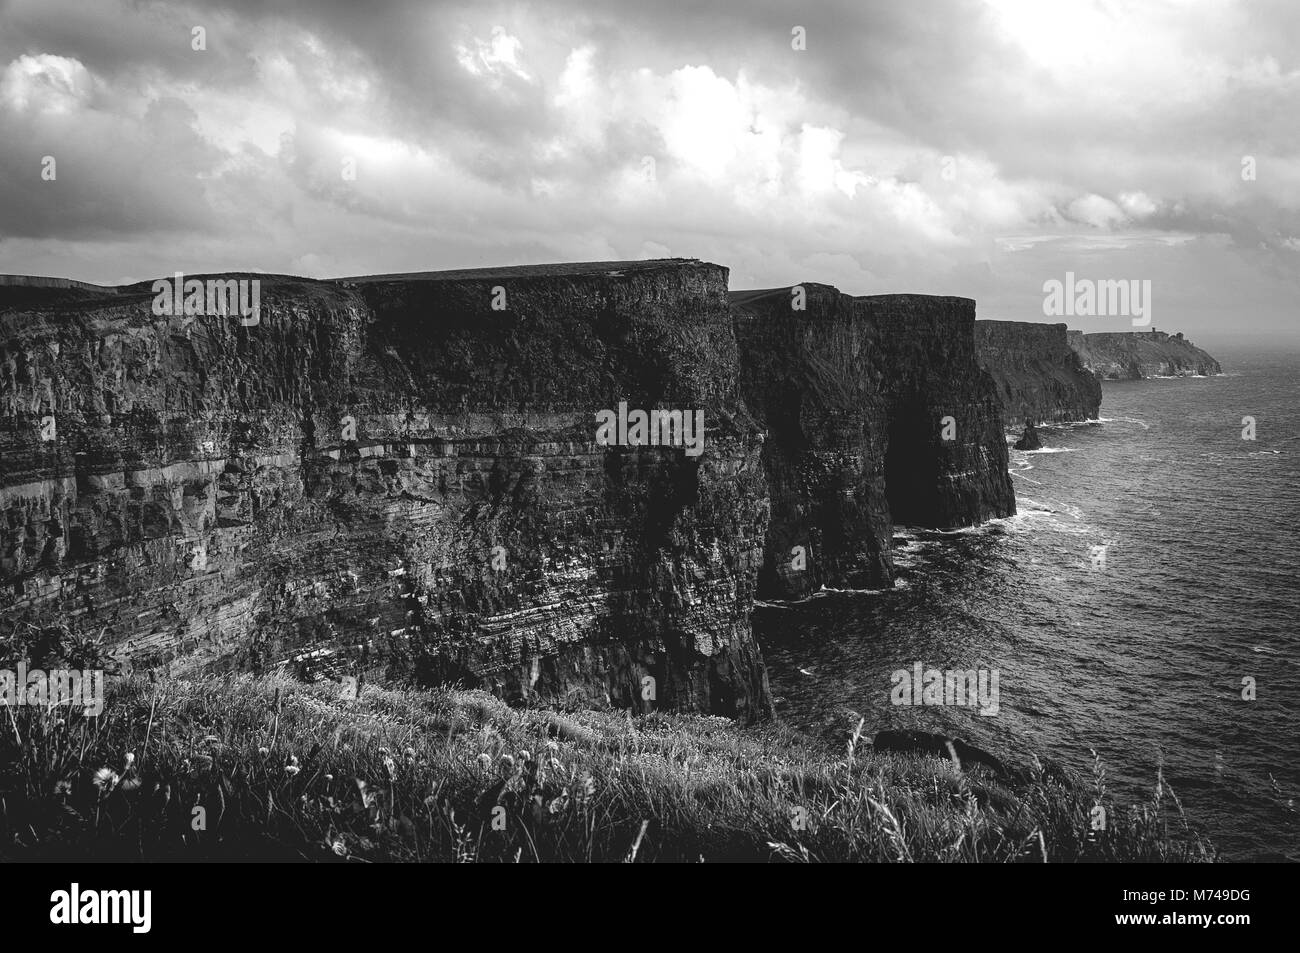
{"x":957,"y":147}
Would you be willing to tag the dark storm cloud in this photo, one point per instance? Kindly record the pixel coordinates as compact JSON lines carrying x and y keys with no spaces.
{"x":948,"y":146}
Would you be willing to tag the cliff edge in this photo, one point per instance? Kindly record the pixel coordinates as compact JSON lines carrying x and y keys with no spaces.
{"x":1134,"y":355}
{"x":1039,"y":377}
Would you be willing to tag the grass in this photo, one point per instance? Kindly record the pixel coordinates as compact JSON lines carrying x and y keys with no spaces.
{"x":278,"y":769}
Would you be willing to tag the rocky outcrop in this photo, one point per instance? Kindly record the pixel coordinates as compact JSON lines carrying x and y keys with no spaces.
{"x":402,"y":469}
{"x":1039,"y":376}
{"x":1134,"y":355}
{"x":877,"y":413}
{"x":937,"y":746}
{"x":1029,"y":440}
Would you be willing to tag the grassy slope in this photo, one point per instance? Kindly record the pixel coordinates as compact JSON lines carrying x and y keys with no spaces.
{"x":293,"y":771}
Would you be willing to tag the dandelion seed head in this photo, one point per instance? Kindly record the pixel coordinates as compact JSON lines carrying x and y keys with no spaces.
{"x":106,"y":778}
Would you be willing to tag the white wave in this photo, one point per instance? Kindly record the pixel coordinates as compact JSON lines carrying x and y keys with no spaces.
{"x":1128,"y":420}
{"x":1053,"y":515}
{"x":1072,"y":424}
{"x":856,"y":592}
{"x":1009,"y":521}
{"x":825,"y":591}
{"x":1049,"y":450}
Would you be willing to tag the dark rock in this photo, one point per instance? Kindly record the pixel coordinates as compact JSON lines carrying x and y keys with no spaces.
{"x":1030,"y":439}
{"x":938,"y":746}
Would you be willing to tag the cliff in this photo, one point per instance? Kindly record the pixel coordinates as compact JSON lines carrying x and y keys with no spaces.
{"x":1133,"y":355}
{"x":854,"y":393}
{"x":410,"y":471}
{"x":393,"y":469}
{"x":1039,"y":376}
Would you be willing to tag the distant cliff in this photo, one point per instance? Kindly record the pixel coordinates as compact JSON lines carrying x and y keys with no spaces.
{"x":1039,"y":377}
{"x":853,"y":393}
{"x":1133,"y":355}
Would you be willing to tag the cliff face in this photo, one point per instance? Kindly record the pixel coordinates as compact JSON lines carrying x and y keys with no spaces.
{"x":394,"y":469}
{"x":409,"y":471}
{"x":1039,"y":376}
{"x":853,"y":393}
{"x":1133,"y":355}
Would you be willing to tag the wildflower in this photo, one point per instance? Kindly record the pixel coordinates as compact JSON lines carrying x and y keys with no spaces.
{"x":329,"y":777}
{"x":552,"y":746}
{"x":340,"y":848}
{"x":130,"y":759}
{"x":391,"y":767}
{"x":293,"y":760}
{"x":63,"y":787}
{"x":106,"y":779}
{"x":525,"y":756}
{"x":508,"y":761}
{"x":485,"y":759}
{"x":556,"y":765}
{"x":263,"y":752}
{"x":291,"y":769}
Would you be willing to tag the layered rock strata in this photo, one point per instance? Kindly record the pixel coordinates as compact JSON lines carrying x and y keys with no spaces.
{"x":408,"y":470}
{"x":402,"y":468}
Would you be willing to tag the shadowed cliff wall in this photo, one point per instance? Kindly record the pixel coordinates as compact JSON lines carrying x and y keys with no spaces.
{"x":854,"y":392}
{"x":205,"y":502}
{"x":1038,"y":376}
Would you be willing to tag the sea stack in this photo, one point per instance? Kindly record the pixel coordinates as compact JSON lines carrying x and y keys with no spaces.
{"x":1029,"y":440}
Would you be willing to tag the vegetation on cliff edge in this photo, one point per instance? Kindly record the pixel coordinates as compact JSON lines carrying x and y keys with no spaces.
{"x":278,"y":769}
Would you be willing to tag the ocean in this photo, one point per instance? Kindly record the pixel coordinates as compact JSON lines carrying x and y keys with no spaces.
{"x":1143,"y":657}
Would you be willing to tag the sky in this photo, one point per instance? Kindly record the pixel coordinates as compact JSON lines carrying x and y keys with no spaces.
{"x":969,"y":147}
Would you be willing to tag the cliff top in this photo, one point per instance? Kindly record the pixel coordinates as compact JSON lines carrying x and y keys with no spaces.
{"x":554,"y":270}
{"x":39,"y":281}
{"x":759,"y":294}
{"x":1146,"y":334}
{"x":987,"y":323}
